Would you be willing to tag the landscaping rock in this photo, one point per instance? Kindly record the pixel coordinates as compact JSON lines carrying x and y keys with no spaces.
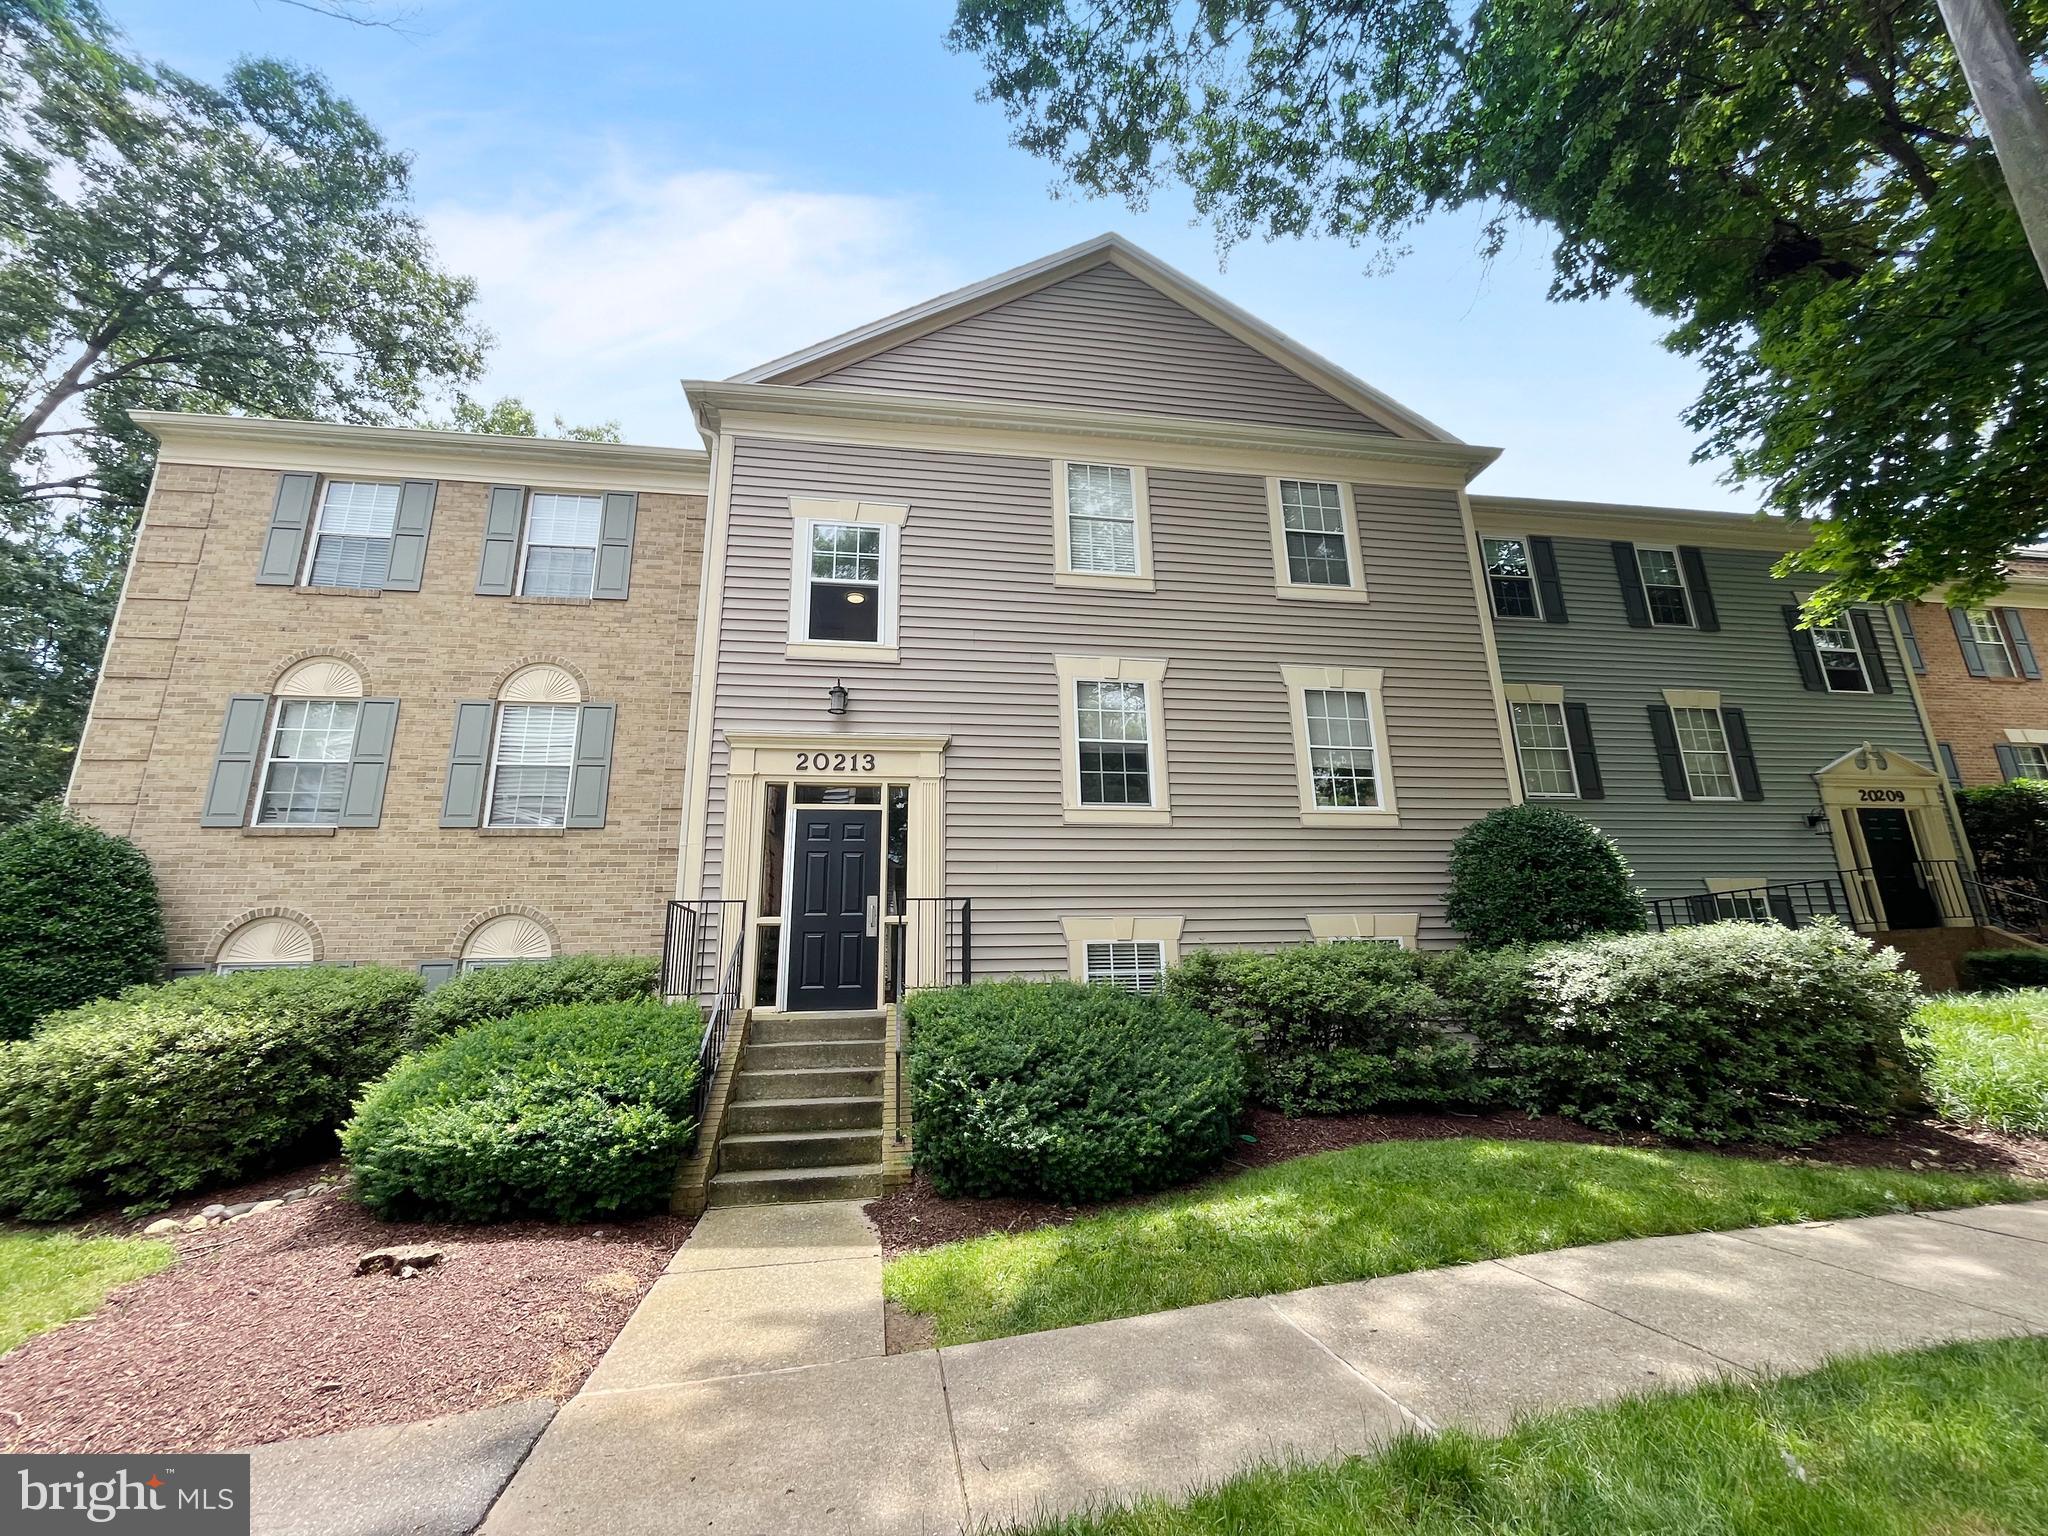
{"x":196,"y":1224}
{"x":215,"y":1213}
{"x":264,"y":1205}
{"x":405,"y":1256}
{"x":240,"y":1208}
{"x":296,"y":1194}
{"x":160,"y":1226}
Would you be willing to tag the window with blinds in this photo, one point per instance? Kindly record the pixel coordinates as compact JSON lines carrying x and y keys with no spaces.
{"x":530,"y":764}
{"x":352,"y":538}
{"x":1134,"y":964}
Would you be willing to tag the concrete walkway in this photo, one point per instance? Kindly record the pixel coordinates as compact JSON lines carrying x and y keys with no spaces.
{"x":750,"y":1392}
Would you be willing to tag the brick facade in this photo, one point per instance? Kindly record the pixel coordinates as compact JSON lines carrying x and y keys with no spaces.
{"x":1973,"y":714}
{"x":195,"y":628}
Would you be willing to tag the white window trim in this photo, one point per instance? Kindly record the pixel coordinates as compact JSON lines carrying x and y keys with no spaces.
{"x":1540,"y":693}
{"x":889,"y":517}
{"x":1703,"y":698}
{"x":1366,"y":680}
{"x":1063,"y":572}
{"x":1398,"y":928}
{"x":1113,"y":669}
{"x":1848,"y":625}
{"x":498,"y":708}
{"x":2026,"y":738}
{"x":319,"y":510}
{"x":2012,"y":666}
{"x":1535,"y":586}
{"x":271,"y":721}
{"x":525,"y":539}
{"x":1692,"y":608}
{"x":1283,"y":583}
{"x":1081,"y":931}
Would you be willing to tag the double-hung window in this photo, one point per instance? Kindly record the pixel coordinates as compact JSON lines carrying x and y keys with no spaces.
{"x":1545,"y":749}
{"x":305,"y":773}
{"x":352,"y":536}
{"x":1103,"y":533}
{"x":1664,"y":586}
{"x":2030,"y":759}
{"x":843,"y":593}
{"x":1312,"y":520}
{"x":532,"y":755}
{"x":1703,"y":744}
{"x":1842,"y":666}
{"x":1343,"y":760}
{"x":1113,"y":736}
{"x":1992,"y":649}
{"x":561,"y":545}
{"x":1137,"y":965}
{"x":1510,"y":579}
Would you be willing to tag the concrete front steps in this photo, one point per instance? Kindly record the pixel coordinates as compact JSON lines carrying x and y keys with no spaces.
{"x":804,"y":1121}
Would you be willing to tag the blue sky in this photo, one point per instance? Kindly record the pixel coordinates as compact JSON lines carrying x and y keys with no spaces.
{"x":648,"y":192}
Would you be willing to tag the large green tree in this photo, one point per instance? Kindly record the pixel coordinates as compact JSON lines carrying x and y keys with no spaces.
{"x":1801,"y":187}
{"x":171,"y":244}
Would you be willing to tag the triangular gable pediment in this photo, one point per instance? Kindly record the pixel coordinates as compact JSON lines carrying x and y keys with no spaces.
{"x":1104,"y":326}
{"x":1893,"y":761}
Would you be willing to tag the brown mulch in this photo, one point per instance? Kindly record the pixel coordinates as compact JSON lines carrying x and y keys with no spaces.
{"x":918,"y":1217}
{"x":263,"y":1331}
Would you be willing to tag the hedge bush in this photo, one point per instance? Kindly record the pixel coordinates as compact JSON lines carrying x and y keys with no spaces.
{"x":1530,"y":874}
{"x":1984,"y":1060}
{"x":1068,"y":1092}
{"x":564,"y":1113}
{"x":1719,"y":1033}
{"x":1996,"y":970}
{"x":2007,"y":825}
{"x":499,"y":991}
{"x":78,"y":918}
{"x":1331,"y":1029}
{"x":178,"y":1087}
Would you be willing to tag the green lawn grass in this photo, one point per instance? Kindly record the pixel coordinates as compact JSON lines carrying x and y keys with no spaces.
{"x":1984,"y":1058}
{"x":51,"y":1278}
{"x":1381,"y":1210}
{"x":1951,"y":1441}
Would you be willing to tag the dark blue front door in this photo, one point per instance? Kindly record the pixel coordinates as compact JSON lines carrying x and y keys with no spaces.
{"x":836,"y":885}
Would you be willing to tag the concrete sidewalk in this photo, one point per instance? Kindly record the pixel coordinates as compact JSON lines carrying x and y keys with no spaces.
{"x":750,"y":1393}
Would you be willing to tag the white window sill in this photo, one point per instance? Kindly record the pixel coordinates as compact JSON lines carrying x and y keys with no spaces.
{"x":327,"y":830}
{"x":1117,"y":816}
{"x":827,"y":650}
{"x":1319,"y":594}
{"x":325,"y":591}
{"x":553,"y":602}
{"x":522,"y":831}
{"x":1326,"y":816}
{"x":1104,"y":581}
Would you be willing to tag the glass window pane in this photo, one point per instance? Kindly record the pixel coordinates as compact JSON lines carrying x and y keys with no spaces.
{"x":1136,"y":965}
{"x":558,"y":519}
{"x":1991,"y":647}
{"x":1102,"y":512}
{"x":1709,"y":773}
{"x":1342,"y":760}
{"x":1545,"y":750}
{"x":530,"y":777}
{"x":553,"y":571}
{"x":310,"y":743}
{"x":359,"y":506}
{"x":1312,"y":518}
{"x":1113,"y":732}
{"x":844,"y":612}
{"x":1664,"y":587}
{"x":349,"y":560}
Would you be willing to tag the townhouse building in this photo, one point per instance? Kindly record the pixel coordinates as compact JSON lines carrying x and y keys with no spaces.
{"x":1981,"y":680}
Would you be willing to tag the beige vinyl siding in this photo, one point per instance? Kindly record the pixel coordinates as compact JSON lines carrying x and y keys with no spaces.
{"x":981,"y":622}
{"x":1103,"y":339}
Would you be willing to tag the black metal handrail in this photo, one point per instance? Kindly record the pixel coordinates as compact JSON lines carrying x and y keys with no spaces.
{"x":720,"y":1011}
{"x":694,"y":942}
{"x":930,"y":944}
{"x":1793,"y":903}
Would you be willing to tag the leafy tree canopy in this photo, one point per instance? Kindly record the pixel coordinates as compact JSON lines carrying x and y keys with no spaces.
{"x":1801,"y":187}
{"x":509,"y":416}
{"x":174,"y":245}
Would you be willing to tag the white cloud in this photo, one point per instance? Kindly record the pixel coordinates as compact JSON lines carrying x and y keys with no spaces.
{"x":606,"y":292}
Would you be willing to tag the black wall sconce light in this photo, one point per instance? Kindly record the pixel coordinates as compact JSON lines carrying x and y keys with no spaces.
{"x":837,"y":694}
{"x":1816,"y":819}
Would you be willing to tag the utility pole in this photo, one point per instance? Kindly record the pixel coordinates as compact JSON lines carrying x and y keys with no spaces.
{"x":2012,"y":107}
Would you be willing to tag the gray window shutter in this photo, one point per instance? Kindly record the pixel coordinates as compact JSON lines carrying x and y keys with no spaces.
{"x":2016,"y":632}
{"x":437,"y":971}
{"x":1633,"y":602}
{"x":1948,"y":764}
{"x":1550,"y":591}
{"x":469,"y":764}
{"x":499,"y":568}
{"x":1670,"y":762}
{"x":1704,"y":614}
{"x":615,"y":545}
{"x":1803,"y":652}
{"x":1972,"y":657}
{"x":1578,"y":731}
{"x":234,"y":761}
{"x":284,"y":547}
{"x":590,"y":780}
{"x":1873,"y":653}
{"x":2008,"y":761}
{"x":1903,"y":612}
{"x":409,"y":536}
{"x":369,"y":761}
{"x":1747,"y":779}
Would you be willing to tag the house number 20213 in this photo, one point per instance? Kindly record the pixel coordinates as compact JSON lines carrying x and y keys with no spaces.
{"x":1883,"y":796}
{"x":835,"y":762}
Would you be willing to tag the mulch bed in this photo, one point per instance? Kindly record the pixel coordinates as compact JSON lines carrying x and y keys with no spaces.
{"x":263,"y":1331}
{"x":919,"y":1217}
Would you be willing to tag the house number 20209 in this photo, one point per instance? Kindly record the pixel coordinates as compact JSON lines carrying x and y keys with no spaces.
{"x":1882,"y":796}
{"x":835,"y":762}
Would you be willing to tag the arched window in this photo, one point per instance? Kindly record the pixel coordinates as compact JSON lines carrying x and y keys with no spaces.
{"x":266,"y":944}
{"x":505,"y":941}
{"x":533,"y":749}
{"x":315,"y":712}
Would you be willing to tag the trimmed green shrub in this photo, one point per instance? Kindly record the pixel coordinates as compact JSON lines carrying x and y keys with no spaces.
{"x":1996,"y":970}
{"x":78,"y":918}
{"x":2007,"y":825}
{"x":563,"y":1113}
{"x":1068,"y":1092}
{"x":1331,"y":1029}
{"x":173,"y":1088}
{"x":1984,"y":1060}
{"x":1720,"y":1033}
{"x":499,"y":991}
{"x":1530,"y":874}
